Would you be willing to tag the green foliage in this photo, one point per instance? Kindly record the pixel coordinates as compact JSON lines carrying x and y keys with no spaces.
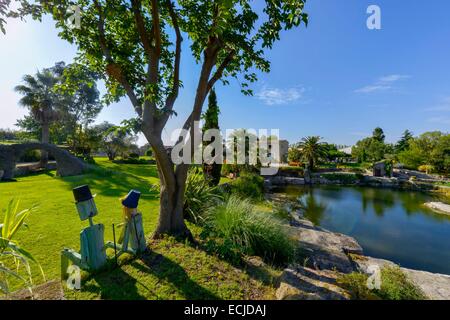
{"x":312,"y":150}
{"x":345,"y":178}
{"x":395,"y":285}
{"x":241,"y":229}
{"x":294,"y":154}
{"x":248,"y":185}
{"x":212,"y":171}
{"x":429,"y":149}
{"x":199,"y":196}
{"x":63,"y":93}
{"x":10,"y":251}
{"x":378,"y":135}
{"x":404,"y":142}
{"x":30,"y":156}
{"x":372,"y":148}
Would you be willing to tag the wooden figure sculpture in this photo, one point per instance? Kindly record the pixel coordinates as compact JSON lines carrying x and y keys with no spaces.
{"x":92,"y":254}
{"x":132,"y":237}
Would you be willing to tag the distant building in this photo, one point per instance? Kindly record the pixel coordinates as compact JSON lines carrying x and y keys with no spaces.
{"x":346,"y":150}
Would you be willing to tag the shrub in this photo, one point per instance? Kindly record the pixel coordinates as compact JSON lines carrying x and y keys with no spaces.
{"x":30,"y":156}
{"x":249,"y":231}
{"x":395,"y":285}
{"x":249,"y":186}
{"x":199,"y":195}
{"x":133,"y":155}
{"x":345,"y":178}
{"x":13,"y":221}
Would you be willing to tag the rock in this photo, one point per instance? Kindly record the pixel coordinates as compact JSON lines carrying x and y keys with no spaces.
{"x":434,"y":285}
{"x":439,"y":207}
{"x":323,"y":249}
{"x":299,"y":283}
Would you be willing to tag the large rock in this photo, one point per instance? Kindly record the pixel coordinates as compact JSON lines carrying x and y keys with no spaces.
{"x":439,"y":207}
{"x":434,"y":285}
{"x":323,"y":249}
{"x":299,"y":283}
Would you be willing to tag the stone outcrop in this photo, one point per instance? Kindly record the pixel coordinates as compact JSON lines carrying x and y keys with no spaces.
{"x":434,"y":285}
{"x":302,"y":283}
{"x":439,"y":207}
{"x":323,"y":249}
{"x":67,"y":164}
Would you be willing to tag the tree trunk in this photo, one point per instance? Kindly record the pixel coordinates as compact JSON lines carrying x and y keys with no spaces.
{"x":45,"y":138}
{"x":172,"y":186}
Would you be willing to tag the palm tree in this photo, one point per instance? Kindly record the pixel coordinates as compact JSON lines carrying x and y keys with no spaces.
{"x":312,"y":150}
{"x":40,"y":98}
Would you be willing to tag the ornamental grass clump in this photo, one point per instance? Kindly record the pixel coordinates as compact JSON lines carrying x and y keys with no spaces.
{"x":253,"y":233}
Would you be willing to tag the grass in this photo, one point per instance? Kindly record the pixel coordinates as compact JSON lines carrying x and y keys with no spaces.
{"x":56,"y":224}
{"x":242,"y":228}
{"x":172,"y":270}
{"x":395,"y":285}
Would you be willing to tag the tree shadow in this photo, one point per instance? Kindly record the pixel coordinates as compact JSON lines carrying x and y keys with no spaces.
{"x":166,"y":269}
{"x":116,"y":284}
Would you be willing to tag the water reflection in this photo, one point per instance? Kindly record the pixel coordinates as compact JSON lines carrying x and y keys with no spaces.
{"x":388,"y":223}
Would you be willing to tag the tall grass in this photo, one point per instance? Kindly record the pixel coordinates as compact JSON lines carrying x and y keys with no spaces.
{"x":253,"y":233}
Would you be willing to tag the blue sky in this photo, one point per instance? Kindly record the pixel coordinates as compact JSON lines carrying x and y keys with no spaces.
{"x":336,"y":78}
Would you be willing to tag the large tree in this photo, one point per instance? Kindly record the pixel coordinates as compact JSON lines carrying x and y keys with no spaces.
{"x":42,"y":101}
{"x":71,"y":97}
{"x":137,"y":45}
{"x":312,"y":150}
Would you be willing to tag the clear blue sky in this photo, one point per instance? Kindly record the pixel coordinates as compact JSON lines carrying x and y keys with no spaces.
{"x":336,"y":78}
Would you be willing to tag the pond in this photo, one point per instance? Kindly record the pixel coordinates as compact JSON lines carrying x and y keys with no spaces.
{"x":388,"y":224}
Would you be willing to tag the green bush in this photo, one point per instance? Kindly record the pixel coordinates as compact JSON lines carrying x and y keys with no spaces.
{"x":250,"y":232}
{"x":345,"y":178}
{"x":30,"y":156}
{"x":395,"y":285}
{"x":133,"y":155}
{"x":199,"y":196}
{"x":249,"y":185}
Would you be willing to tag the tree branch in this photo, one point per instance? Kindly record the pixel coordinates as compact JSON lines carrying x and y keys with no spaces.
{"x":143,"y":33}
{"x":219,"y":72}
{"x":113,"y":69}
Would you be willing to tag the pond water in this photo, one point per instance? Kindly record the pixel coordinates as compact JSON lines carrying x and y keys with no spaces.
{"x":388,"y":224}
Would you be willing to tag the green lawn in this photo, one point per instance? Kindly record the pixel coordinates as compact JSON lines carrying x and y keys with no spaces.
{"x":171,"y":270}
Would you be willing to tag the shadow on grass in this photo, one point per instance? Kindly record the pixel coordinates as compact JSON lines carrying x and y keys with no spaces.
{"x":117,"y":284}
{"x":111,"y":183}
{"x":166,"y":269}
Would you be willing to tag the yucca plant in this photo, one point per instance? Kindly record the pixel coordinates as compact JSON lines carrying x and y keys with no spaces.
{"x":12,"y":256}
{"x":199,"y":196}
